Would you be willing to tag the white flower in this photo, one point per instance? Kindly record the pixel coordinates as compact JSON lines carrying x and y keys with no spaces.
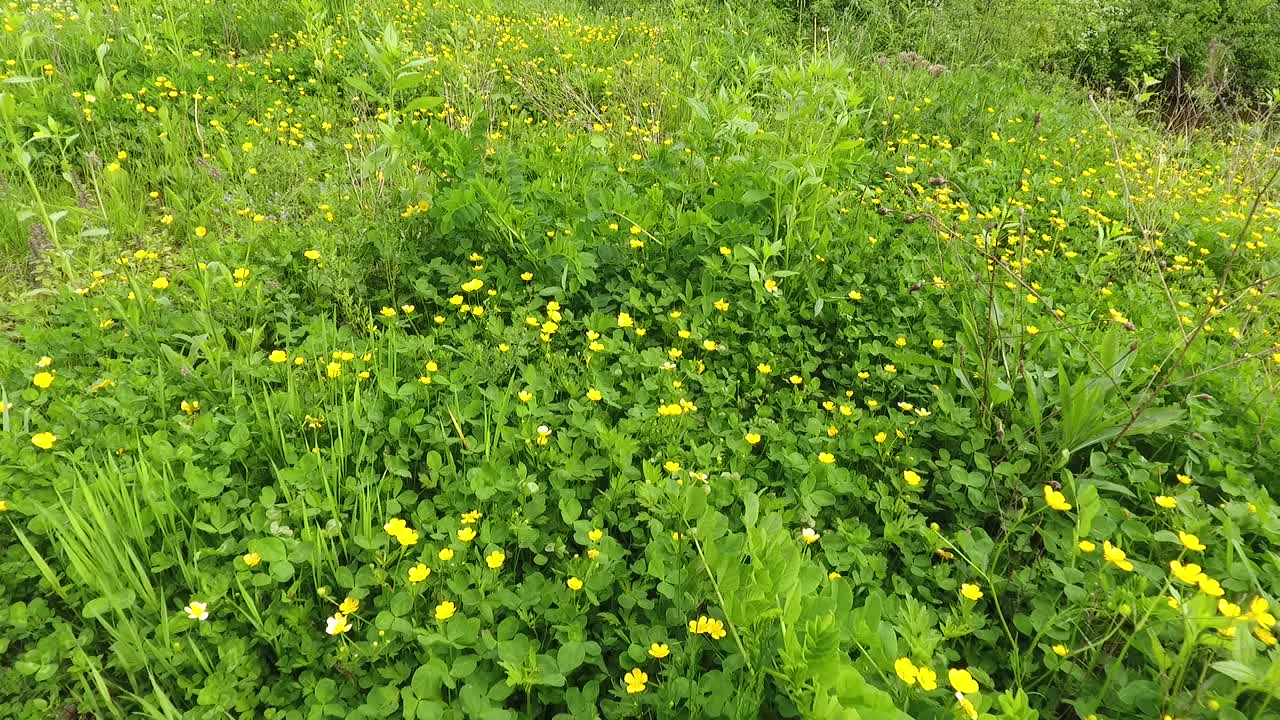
{"x":197,"y":610}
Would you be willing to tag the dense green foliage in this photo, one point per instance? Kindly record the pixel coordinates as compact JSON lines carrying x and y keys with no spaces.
{"x":445,"y":360}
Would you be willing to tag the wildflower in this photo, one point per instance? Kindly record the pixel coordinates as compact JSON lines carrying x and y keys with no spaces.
{"x":595,"y":535}
{"x":752,"y":438}
{"x":971,"y":591}
{"x":659,"y":650}
{"x":1189,"y":574}
{"x":1166,"y":502}
{"x":906,"y":670}
{"x":1228,"y":609}
{"x":278,"y":356}
{"x":962,"y":681}
{"x":966,"y":706}
{"x":445,"y":554}
{"x":764,"y":368}
{"x":927,"y":679}
{"x":418,"y":573}
{"x":333,"y":370}
{"x":201,"y":231}
{"x":1210,"y":587}
{"x":593,"y":553}
{"x":636,"y":680}
{"x":337,"y":624}
{"x":160,"y":283}
{"x":190,"y":407}
{"x":1258,"y":613}
{"x":525,"y":396}
{"x":594,"y":395}
{"x":394,"y":526}
{"x":197,"y":611}
{"x":826,"y":458}
{"x":1116,"y":556}
{"x":445,"y":610}
{"x":1190,"y":542}
{"x":251,"y":559}
{"x":1055,"y":499}
{"x":937,"y":344}
{"x":42,"y":380}
{"x":388,"y":312}
{"x":44,"y":361}
{"x":1087,"y":546}
{"x":722,"y":305}
{"x":624,"y":320}
{"x":44,"y":440}
{"x":495,"y":559}
{"x":1267,"y":637}
{"x":575,"y":584}
{"x":1184,"y":479}
{"x":4,"y":506}
{"x":881,"y":437}
{"x":312,"y":255}
{"x":1061,"y":650}
{"x":809,"y":536}
{"x":911,"y":477}
{"x":467,"y":534}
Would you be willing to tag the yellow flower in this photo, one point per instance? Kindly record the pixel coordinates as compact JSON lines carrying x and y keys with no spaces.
{"x":42,"y":380}
{"x":637,"y":678}
{"x":722,"y":305}
{"x":826,"y":458}
{"x":906,"y":670}
{"x":1184,"y":479}
{"x":881,"y":437}
{"x":574,"y":584}
{"x":1166,"y":502}
{"x":624,"y":320}
{"x":962,"y":681}
{"x":525,"y":396}
{"x":1267,"y":637}
{"x":1189,"y":574}
{"x":971,"y":591}
{"x":1228,"y":609}
{"x":927,"y":679}
{"x":190,"y":407}
{"x":855,"y":295}
{"x":201,"y":231}
{"x":472,"y":517}
{"x":44,"y":440}
{"x":809,"y":536}
{"x":445,"y":610}
{"x":278,"y":356}
{"x":333,"y":370}
{"x":1190,"y":542}
{"x":312,"y":254}
{"x":595,"y":535}
{"x":911,"y":477}
{"x":467,"y":534}
{"x":349,"y":606}
{"x":44,"y":361}
{"x":1055,"y":500}
{"x":160,"y":283}
{"x":251,"y":559}
{"x":659,"y":650}
{"x":388,"y":312}
{"x":495,"y":559}
{"x":966,"y":706}
{"x":394,"y":526}
{"x":1210,"y":587}
{"x":594,"y":395}
{"x":764,"y":368}
{"x":418,"y":573}
{"x":1116,"y":556}
{"x":1033,"y":330}
{"x":1061,"y":650}
{"x":337,"y":624}
{"x":197,"y":611}
{"x":1087,"y":546}
{"x":407,"y":537}
{"x":753,"y":438}
{"x":1258,"y":612}
{"x":937,"y":344}
{"x":445,"y":554}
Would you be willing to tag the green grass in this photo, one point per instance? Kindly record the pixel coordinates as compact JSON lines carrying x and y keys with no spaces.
{"x":770,"y":352}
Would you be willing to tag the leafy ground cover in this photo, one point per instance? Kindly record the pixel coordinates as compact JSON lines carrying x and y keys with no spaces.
{"x":487,"y":360}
